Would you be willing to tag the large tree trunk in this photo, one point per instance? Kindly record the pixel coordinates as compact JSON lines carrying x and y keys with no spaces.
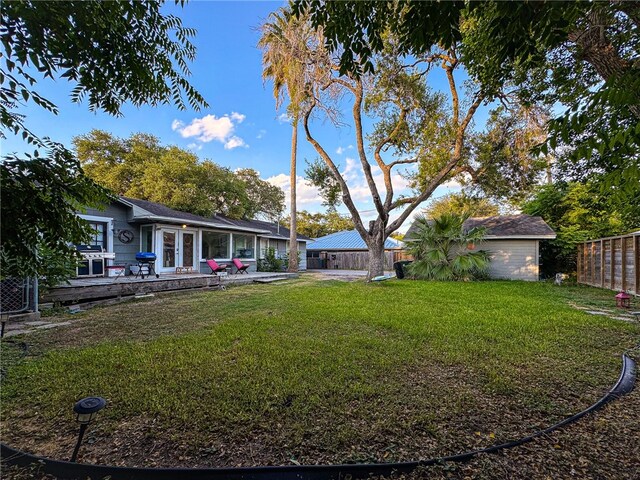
{"x":293,"y":236}
{"x":376,"y":257}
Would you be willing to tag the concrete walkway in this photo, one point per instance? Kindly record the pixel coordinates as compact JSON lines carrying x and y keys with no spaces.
{"x":344,"y":275}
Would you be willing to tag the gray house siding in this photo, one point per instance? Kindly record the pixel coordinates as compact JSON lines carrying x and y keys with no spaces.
{"x":513,"y":259}
{"x":302,"y":248}
{"x":125,"y":252}
{"x":118,"y":216}
{"x":281,"y":249}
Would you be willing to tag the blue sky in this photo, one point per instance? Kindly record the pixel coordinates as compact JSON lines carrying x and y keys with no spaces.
{"x":241,"y":127}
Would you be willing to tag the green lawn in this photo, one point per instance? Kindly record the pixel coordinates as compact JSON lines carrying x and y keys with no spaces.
{"x":314,"y":371}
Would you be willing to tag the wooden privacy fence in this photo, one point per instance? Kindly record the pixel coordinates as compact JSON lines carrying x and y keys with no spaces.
{"x":612,"y":262}
{"x":353,"y":260}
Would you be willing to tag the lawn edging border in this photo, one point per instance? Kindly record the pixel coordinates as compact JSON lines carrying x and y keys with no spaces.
{"x":61,"y":469}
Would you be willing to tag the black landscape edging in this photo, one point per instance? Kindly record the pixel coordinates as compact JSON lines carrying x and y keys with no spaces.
{"x":61,"y":469}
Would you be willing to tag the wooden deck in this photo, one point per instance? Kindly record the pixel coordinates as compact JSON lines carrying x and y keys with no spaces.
{"x":82,"y":290}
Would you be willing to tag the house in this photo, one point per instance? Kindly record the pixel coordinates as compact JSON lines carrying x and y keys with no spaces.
{"x":182,"y":240}
{"x":346,"y":250}
{"x":514,"y":244}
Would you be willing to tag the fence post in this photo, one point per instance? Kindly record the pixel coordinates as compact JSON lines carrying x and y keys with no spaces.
{"x":623,"y":263}
{"x":636,"y":263}
{"x":602,"y":263}
{"x":612,"y":274}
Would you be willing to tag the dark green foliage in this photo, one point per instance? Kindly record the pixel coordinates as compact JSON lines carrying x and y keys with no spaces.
{"x":140,"y":167}
{"x":502,"y":163}
{"x":583,"y":55}
{"x":320,"y":176}
{"x":316,"y":225}
{"x":39,"y":226}
{"x":461,"y":204}
{"x":270,"y":262}
{"x":112,"y":53}
{"x":441,"y":248}
{"x":263,"y":199}
{"x":577,"y":212}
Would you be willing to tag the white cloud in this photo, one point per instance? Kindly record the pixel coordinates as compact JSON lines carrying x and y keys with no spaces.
{"x":340,"y":150}
{"x":194,"y":146}
{"x":284,"y":118}
{"x":238,"y":117}
{"x":308,"y":197}
{"x":210,"y":128}
{"x":305,"y":193}
{"x":234,"y":142}
{"x":261,"y":134}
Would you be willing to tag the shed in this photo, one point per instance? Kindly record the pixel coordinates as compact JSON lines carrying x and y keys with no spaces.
{"x":346,"y":250}
{"x":514,"y":244}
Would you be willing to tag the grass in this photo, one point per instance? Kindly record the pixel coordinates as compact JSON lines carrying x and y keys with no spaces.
{"x":312,"y":371}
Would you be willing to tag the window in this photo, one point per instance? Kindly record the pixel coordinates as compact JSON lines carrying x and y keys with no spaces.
{"x":243,"y":246}
{"x":146,"y":241}
{"x":215,"y":245}
{"x":98,"y":235}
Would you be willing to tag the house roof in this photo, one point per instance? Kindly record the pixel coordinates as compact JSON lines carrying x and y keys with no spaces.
{"x":347,"y":240}
{"x":507,"y":226}
{"x":278,"y":231}
{"x":144,"y":210}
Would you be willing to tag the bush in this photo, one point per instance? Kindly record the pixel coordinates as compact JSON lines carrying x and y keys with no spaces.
{"x":270,"y":262}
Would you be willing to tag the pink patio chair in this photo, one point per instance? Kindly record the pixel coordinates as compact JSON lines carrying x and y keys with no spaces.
{"x":215,"y":268}
{"x":240,"y":267}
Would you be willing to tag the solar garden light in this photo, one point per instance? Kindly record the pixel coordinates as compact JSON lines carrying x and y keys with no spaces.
{"x":86,"y":410}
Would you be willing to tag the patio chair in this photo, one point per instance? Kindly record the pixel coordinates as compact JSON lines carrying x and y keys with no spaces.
{"x":240,"y":267}
{"x":215,"y":268}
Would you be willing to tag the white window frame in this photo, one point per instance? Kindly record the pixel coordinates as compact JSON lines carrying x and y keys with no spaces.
{"x":108,"y":221}
{"x":245,"y":234}
{"x":153,"y":236}
{"x":229,"y":249}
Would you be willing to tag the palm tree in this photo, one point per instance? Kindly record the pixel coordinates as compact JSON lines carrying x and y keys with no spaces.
{"x":285,"y":45}
{"x":444,"y":250}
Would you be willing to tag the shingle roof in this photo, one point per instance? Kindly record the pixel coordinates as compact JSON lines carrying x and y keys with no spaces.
{"x":216,"y":220}
{"x":277,"y":231}
{"x":347,"y":240}
{"x":521,"y":225}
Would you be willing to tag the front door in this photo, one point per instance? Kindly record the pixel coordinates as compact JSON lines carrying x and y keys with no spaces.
{"x":177,"y":248}
{"x":187,"y":255}
{"x":168,"y":250}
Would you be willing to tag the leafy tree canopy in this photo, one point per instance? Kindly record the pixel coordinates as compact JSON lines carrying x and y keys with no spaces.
{"x":461,"y":204}
{"x":320,"y":175}
{"x":111,"y":53}
{"x":40,"y":196}
{"x":264,"y":200}
{"x":317,"y":225}
{"x":582,"y":55}
{"x":140,"y":167}
{"x":578,"y":212}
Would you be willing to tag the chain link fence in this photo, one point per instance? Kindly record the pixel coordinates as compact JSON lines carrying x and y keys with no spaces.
{"x":18,"y":295}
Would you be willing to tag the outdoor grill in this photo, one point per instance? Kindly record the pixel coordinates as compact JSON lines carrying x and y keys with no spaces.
{"x":146,"y":259}
{"x":93,"y":263}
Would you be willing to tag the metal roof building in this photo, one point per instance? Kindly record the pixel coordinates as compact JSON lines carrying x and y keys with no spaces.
{"x":348,"y":240}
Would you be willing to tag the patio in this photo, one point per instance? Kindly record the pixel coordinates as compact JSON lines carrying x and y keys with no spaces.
{"x":81,"y":290}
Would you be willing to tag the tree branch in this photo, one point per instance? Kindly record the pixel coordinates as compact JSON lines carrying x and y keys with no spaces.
{"x":366,"y":167}
{"x":346,"y":194}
